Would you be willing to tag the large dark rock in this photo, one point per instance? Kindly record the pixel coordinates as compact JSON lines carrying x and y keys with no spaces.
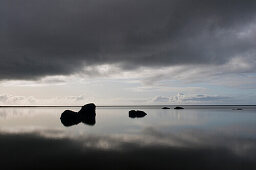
{"x":88,"y":109}
{"x":86,"y":115}
{"x":178,"y":108}
{"x":136,"y":114}
{"x":69,"y":118}
{"x":89,"y":120}
{"x":165,"y":108}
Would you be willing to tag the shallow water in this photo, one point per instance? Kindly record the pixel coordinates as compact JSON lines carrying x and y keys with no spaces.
{"x":205,"y":137}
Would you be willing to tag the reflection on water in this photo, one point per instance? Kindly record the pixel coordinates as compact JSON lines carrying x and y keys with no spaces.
{"x":34,"y":138}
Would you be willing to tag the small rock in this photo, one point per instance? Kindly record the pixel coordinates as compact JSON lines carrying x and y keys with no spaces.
{"x":165,"y":108}
{"x":178,"y":107}
{"x":237,"y":109}
{"x":138,"y":113}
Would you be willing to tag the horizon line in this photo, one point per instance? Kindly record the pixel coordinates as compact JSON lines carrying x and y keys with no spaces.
{"x":129,"y":105}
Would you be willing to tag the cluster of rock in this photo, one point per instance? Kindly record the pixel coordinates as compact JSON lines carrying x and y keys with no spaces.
{"x":85,"y":115}
{"x":237,"y":109}
{"x":177,"y":108}
{"x":139,"y":113}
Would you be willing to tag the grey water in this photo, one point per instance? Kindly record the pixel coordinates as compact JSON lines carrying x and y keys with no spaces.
{"x":198,"y":137}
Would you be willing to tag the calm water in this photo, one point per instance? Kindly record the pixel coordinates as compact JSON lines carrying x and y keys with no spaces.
{"x":193,"y":138}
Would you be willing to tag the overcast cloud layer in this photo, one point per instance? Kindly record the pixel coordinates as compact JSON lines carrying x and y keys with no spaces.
{"x":61,"y":37}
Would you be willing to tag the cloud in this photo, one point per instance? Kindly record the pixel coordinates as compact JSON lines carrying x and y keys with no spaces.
{"x":200,"y":99}
{"x":181,"y":98}
{"x":160,"y":99}
{"x":16,"y":100}
{"x":178,"y":98}
{"x":6,"y":99}
{"x":62,"y":37}
{"x":217,"y":74}
{"x":205,"y":98}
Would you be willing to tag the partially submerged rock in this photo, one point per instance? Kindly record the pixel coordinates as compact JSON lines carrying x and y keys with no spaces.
{"x":89,"y":120}
{"x":178,"y":108}
{"x":136,"y":114}
{"x":165,"y":108}
{"x":88,"y":109}
{"x":237,"y":109}
{"x":69,"y":118}
{"x":86,"y":115}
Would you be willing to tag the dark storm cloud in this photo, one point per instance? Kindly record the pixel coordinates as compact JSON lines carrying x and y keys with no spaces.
{"x":53,"y":37}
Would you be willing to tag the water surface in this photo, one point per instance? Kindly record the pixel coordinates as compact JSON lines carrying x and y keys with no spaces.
{"x":198,"y":137}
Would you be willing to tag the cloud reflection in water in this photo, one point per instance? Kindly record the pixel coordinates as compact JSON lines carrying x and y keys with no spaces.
{"x":151,"y":150}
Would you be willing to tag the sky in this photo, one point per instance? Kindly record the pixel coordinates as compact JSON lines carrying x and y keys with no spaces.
{"x":127,"y":52}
